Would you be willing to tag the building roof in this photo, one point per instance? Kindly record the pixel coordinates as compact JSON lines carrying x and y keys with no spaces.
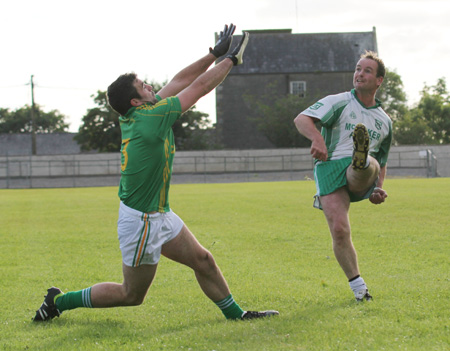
{"x":280,"y":51}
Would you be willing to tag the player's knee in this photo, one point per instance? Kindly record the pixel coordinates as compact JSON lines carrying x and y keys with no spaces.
{"x":135,"y":300}
{"x":340,"y":234}
{"x":206,"y":262}
{"x":132,"y":298}
{"x":374,"y":163}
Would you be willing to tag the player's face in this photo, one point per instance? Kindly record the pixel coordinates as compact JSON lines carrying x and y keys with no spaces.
{"x":145,"y":91}
{"x":365,"y":76}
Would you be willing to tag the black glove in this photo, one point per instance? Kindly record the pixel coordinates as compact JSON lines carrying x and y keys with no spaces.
{"x":238,"y":52}
{"x":224,"y":41}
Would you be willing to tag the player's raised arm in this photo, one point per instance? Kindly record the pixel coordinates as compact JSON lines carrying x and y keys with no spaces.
{"x":187,"y":75}
{"x":213,"y":77}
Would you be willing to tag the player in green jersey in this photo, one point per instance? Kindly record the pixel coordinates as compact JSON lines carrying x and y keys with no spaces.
{"x":350,"y":155}
{"x":147,"y":227}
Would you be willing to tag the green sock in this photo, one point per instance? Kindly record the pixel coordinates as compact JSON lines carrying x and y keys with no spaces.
{"x":230,"y":308}
{"x":73,"y":299}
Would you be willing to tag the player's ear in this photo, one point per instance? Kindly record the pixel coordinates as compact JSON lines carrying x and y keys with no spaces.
{"x":379,"y":81}
{"x":135,"y":102}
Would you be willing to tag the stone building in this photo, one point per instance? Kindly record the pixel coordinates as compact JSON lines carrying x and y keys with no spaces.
{"x":302,"y":64}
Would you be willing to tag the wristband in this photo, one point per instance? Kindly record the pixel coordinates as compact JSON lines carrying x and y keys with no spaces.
{"x":232,"y":58}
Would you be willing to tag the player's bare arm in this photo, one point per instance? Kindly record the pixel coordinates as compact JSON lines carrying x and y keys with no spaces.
{"x":186,"y":76}
{"x":213,"y":77}
{"x":204,"y":84}
{"x":379,"y":195}
{"x":306,"y":126}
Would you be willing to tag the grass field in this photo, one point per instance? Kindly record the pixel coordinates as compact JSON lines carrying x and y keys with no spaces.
{"x":273,"y":248}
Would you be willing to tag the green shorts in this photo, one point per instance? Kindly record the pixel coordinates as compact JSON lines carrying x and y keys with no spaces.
{"x":331,"y":176}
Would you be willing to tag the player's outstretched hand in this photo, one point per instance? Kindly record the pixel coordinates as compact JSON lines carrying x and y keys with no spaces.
{"x":238,"y":51}
{"x":224,"y":41}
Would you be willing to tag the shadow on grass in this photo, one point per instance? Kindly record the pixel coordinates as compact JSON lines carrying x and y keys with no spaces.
{"x":132,"y":328}
{"x":90,"y":328}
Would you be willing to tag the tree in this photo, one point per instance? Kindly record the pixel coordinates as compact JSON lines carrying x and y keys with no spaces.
{"x":435,"y":108}
{"x":392,"y":96}
{"x":393,"y":100}
{"x":275,"y":117}
{"x":19,"y":121}
{"x":101,"y":130}
{"x":193,"y":131}
{"x":412,"y":130}
{"x":429,"y":122}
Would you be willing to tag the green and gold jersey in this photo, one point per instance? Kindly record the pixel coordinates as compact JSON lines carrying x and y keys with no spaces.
{"x":339,"y":114}
{"x":148,"y":149}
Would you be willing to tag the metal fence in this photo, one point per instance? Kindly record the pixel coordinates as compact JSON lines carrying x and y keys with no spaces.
{"x":421,"y":163}
{"x":104,"y":169}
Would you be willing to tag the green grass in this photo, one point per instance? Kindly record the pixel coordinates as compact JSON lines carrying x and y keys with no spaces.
{"x":273,"y":248}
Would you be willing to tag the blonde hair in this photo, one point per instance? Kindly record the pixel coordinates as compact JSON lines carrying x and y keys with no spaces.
{"x":372,"y":55}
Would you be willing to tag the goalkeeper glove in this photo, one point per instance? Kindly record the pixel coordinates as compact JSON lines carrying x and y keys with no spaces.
{"x":224,"y":41}
{"x":238,"y":52}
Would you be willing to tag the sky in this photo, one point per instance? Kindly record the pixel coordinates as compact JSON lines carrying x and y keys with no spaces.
{"x":73,"y":49}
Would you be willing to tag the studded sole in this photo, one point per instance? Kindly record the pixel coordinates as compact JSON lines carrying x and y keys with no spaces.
{"x":360,"y":147}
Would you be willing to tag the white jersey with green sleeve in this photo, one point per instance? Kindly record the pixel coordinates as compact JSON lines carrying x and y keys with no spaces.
{"x":339,"y":114}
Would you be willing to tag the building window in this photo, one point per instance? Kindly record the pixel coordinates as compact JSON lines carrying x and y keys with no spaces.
{"x":298,"y":88}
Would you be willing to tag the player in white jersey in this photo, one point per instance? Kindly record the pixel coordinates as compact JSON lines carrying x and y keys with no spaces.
{"x":350,"y":155}
{"x":339,"y":115}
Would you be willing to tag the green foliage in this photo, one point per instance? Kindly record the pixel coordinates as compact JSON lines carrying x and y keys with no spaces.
{"x":101,"y":129}
{"x":392,"y":96}
{"x":429,"y":121}
{"x":19,"y":121}
{"x":434,"y":110}
{"x":68,"y":240}
{"x":193,"y":131}
{"x":412,"y":129}
{"x":276,"y":117}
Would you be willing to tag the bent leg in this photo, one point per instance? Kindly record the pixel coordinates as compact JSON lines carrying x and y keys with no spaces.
{"x":136,"y":281}
{"x":359,"y":181}
{"x":186,"y":249}
{"x":335,"y":207}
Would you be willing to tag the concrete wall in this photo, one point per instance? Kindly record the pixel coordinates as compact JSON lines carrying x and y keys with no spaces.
{"x":46,"y":144}
{"x":203,"y":166}
{"x":403,"y":157}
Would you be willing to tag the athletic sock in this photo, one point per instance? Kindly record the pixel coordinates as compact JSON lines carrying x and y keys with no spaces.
{"x":74,"y":299}
{"x":357,"y":284}
{"x":230,"y":308}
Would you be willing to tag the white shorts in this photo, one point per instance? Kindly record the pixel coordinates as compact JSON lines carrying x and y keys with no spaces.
{"x":141,"y":235}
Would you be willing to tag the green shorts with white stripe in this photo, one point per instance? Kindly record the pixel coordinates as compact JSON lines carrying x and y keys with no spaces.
{"x":331,"y":176}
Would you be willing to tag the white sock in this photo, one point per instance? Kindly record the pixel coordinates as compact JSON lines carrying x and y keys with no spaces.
{"x":357,"y":284}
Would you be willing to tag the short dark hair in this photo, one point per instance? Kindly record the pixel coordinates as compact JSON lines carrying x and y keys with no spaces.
{"x":381,"y":71}
{"x":121,"y":91}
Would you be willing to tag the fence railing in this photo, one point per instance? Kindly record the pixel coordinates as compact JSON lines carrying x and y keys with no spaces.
{"x":27,"y":171}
